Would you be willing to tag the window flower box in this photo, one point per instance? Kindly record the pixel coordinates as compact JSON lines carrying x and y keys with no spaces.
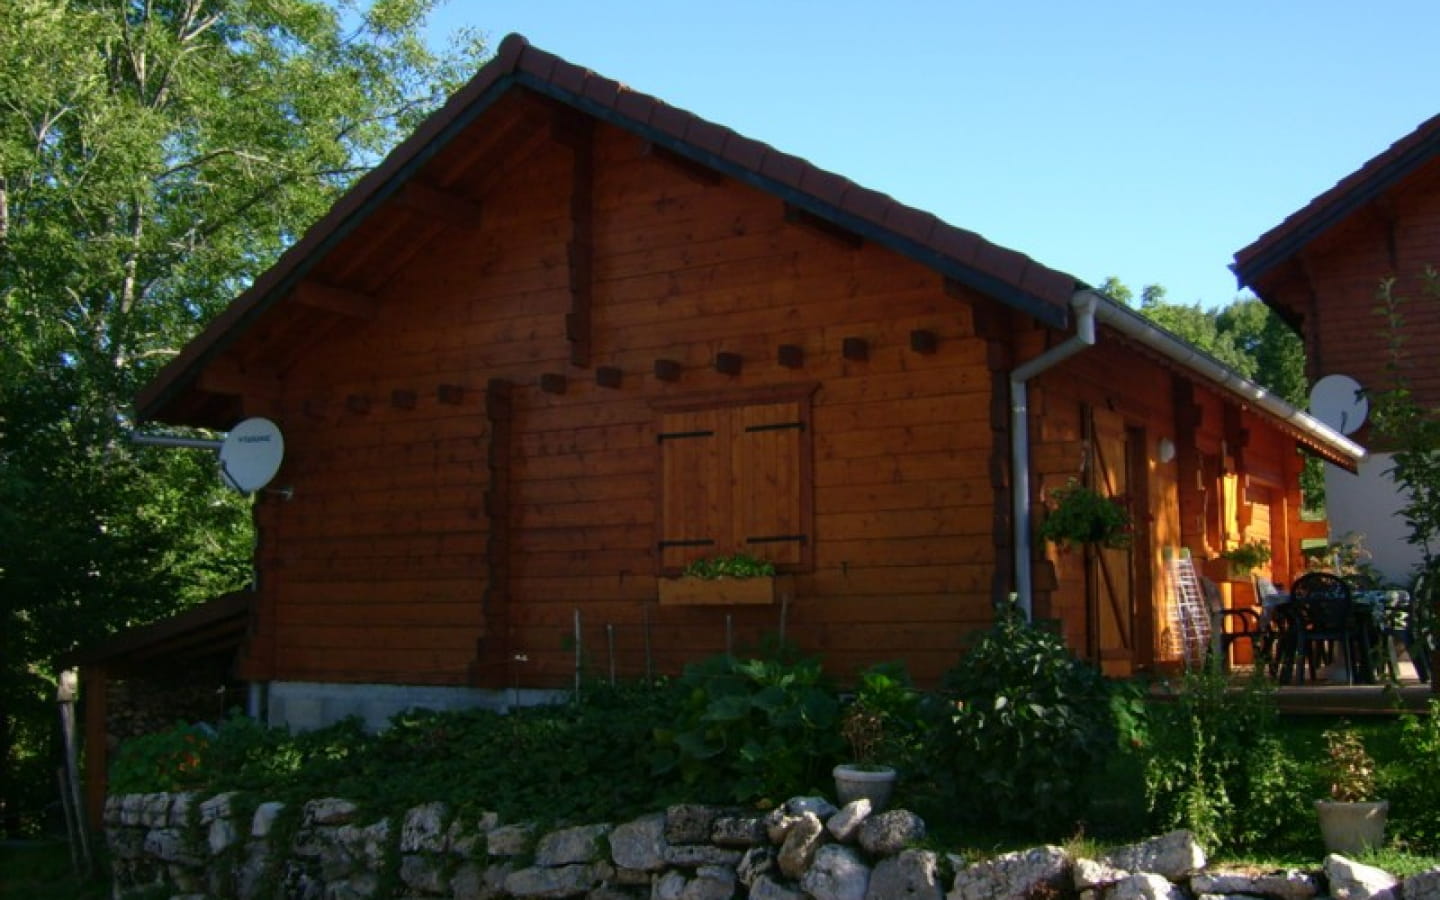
{"x":758,"y":590}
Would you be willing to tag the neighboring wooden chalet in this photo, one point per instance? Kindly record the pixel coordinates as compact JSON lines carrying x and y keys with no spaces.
{"x":567,"y":338}
{"x":1321,"y":269}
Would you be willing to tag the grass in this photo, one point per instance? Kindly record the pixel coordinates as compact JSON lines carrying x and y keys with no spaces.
{"x":41,"y":870}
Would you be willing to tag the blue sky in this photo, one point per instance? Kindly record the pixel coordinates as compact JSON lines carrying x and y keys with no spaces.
{"x":1149,"y":140}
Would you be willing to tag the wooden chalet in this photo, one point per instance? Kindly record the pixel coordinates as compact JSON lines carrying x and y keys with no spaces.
{"x":1321,"y":270}
{"x":567,"y":338}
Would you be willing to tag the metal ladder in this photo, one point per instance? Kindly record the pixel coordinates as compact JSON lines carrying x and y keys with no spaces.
{"x":1190,"y":613}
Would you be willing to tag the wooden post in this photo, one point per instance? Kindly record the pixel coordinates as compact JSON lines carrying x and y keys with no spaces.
{"x":65,"y":696}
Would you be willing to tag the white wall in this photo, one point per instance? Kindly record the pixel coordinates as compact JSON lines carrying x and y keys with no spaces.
{"x":1367,"y":503}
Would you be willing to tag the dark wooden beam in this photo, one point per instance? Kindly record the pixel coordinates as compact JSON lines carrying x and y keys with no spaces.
{"x":450,"y":394}
{"x":791,"y":356}
{"x":553,"y":383}
{"x":855,"y":349}
{"x":608,"y":376}
{"x":318,"y":295}
{"x":924,"y":341}
{"x":401,"y":399}
{"x":578,"y":133}
{"x":728,"y":363}
{"x":667,"y":370}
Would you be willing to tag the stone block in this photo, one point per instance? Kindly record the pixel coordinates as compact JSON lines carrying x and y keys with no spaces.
{"x":640,"y":844}
{"x":913,"y":873}
{"x":837,"y":873}
{"x":887,"y":833}
{"x":567,"y":846}
{"x":220,"y":806}
{"x":739,"y":831}
{"x":801,"y":844}
{"x":689,"y":823}
{"x":510,"y":840}
{"x":423,"y":829}
{"x":1019,"y":875}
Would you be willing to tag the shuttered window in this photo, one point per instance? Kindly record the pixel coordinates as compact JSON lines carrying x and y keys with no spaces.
{"x":735,"y":478}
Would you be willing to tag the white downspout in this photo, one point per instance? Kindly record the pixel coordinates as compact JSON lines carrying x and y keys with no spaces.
{"x":1083,"y":303}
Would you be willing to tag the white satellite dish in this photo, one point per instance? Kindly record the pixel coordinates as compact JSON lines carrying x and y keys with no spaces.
{"x":1339,"y":401}
{"x":250,"y":455}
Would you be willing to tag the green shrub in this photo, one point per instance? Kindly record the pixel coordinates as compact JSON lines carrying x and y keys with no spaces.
{"x":751,"y":731}
{"x":175,"y":759}
{"x":1415,"y":792}
{"x":882,"y":721}
{"x":1214,"y":763}
{"x":1026,"y":724}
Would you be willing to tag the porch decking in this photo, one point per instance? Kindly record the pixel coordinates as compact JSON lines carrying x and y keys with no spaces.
{"x":1409,"y":696}
{"x":1354,"y":700}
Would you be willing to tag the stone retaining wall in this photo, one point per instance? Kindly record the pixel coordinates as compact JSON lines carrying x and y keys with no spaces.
{"x":183,"y":846}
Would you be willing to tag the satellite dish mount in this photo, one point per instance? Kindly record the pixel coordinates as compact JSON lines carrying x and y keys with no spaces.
{"x":251,"y":454}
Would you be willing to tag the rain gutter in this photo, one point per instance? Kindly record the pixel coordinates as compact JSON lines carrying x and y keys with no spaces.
{"x":1084,"y":303}
{"x":1090,"y":307}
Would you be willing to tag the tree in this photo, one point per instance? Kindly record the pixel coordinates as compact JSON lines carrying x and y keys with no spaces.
{"x":154,"y":158}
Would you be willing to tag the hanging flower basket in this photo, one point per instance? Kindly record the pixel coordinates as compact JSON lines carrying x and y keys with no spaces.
{"x":1079,"y":515}
{"x":1247,"y":556}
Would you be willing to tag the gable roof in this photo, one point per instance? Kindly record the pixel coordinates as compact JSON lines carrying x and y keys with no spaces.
{"x":1008,"y":276}
{"x":964,"y":256}
{"x":1254,"y":262}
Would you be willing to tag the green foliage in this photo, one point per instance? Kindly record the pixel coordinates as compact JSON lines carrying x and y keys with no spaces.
{"x":1349,"y":770}
{"x":1414,"y":789}
{"x":169,"y":760}
{"x":572,"y":761}
{"x":154,"y":158}
{"x":738,"y":565}
{"x":1248,"y":555}
{"x":44,"y":871}
{"x":1027,"y":724}
{"x":1214,"y":764}
{"x":1080,"y":515}
{"x":882,"y":723}
{"x":751,"y":731}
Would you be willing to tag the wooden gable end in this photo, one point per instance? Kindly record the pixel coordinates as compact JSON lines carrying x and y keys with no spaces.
{"x":436,"y":537}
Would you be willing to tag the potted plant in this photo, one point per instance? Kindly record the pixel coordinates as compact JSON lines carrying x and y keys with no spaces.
{"x":1351,"y":820}
{"x":733,"y":579}
{"x":1247,"y":556}
{"x":874,"y":725}
{"x":1080,"y":515}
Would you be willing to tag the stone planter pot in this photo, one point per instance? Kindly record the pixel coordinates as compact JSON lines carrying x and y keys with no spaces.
{"x":875,"y":783}
{"x":1351,"y":827}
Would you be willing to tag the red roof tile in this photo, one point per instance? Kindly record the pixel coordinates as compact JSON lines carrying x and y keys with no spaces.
{"x":1041,"y":291}
{"x":1305,"y":224}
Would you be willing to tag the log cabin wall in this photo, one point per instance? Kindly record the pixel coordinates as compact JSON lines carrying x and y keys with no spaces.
{"x":661,"y":282}
{"x":1108,"y":395}
{"x":1331,"y":286}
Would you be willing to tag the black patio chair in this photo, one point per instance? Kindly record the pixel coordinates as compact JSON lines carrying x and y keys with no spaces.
{"x":1399,"y":624}
{"x":1244,"y":624}
{"x":1321,"y":608}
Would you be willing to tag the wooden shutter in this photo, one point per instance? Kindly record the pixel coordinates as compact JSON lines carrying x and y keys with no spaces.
{"x":1112,"y":605}
{"x":694,"y":503}
{"x":767,"y":472}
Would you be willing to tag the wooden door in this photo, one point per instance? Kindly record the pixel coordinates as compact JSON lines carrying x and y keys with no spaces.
{"x":1110,"y":588}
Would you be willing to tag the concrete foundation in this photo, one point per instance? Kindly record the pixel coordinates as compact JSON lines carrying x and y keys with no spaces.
{"x":307,"y":705}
